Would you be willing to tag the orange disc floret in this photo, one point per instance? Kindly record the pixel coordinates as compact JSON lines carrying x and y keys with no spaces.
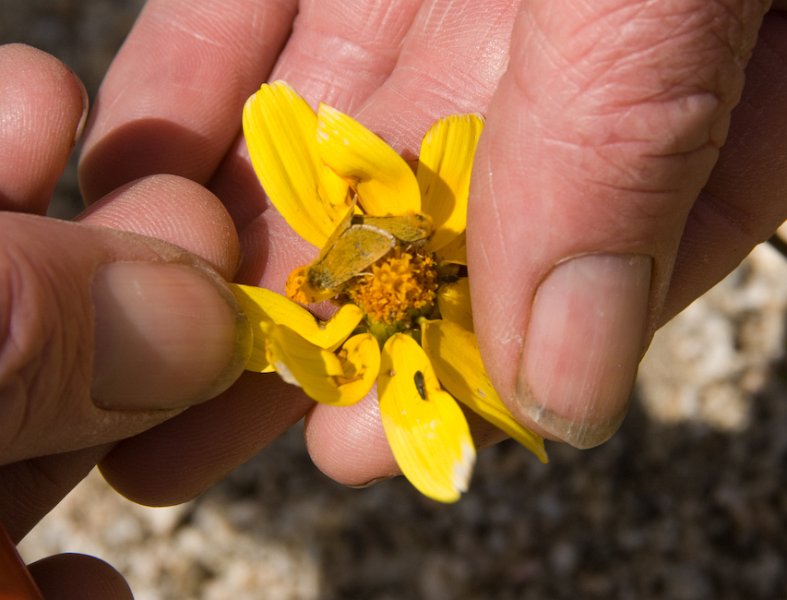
{"x":399,"y":288}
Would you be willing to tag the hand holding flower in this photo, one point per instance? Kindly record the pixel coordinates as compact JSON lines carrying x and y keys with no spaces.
{"x":545,"y":187}
{"x":323,"y":173}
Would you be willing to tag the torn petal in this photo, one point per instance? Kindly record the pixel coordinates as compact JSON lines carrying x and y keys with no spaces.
{"x":263,"y":305}
{"x":338,"y":380}
{"x":360,"y":358}
{"x":425,"y":427}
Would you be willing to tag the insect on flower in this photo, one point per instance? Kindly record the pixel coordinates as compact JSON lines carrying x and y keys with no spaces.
{"x":358,"y":242}
{"x":392,"y":258}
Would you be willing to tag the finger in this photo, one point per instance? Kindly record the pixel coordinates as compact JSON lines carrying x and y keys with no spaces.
{"x":29,"y":489}
{"x":591,"y":159}
{"x":79,"y":577}
{"x":745,"y":200}
{"x":340,"y":51}
{"x":15,"y":580}
{"x":104,"y":334}
{"x":43,"y":106}
{"x":179,"y":459}
{"x":175,"y":462}
{"x":173,"y":210}
{"x":337,"y":438}
{"x":451,"y":61}
{"x":168,"y":208}
{"x":172,"y":100}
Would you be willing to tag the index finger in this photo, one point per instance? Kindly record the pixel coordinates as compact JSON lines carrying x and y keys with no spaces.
{"x":171,"y":99}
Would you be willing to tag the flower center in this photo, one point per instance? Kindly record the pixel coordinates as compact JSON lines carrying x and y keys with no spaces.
{"x":396,"y":290}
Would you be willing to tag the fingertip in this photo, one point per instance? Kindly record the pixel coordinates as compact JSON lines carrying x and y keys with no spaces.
{"x":44,"y":105}
{"x":175,"y":210}
{"x":191,"y":66}
{"x":348,"y":443}
{"x":79,"y":577}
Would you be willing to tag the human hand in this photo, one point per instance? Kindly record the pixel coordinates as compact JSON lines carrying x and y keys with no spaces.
{"x":398,"y":68}
{"x":104,"y":333}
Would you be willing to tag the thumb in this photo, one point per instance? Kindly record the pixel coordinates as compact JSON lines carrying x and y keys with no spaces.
{"x":103,"y":334}
{"x":599,"y":138}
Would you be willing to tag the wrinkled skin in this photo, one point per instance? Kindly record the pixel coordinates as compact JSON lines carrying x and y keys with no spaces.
{"x":610,"y":135}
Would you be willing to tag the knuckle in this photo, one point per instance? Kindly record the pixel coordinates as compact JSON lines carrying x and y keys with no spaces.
{"x":639,"y":70}
{"x":645,"y":89}
{"x":40,"y":362}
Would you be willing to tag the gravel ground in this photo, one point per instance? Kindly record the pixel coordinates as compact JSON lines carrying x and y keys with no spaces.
{"x":687,"y":501}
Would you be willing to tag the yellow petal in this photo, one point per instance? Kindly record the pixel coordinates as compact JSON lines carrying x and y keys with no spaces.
{"x":453,"y":301}
{"x":454,"y":354}
{"x":455,"y":252}
{"x":425,"y":427}
{"x":280,"y":131}
{"x":263,"y":306}
{"x":444,"y":168}
{"x":336,"y":379}
{"x":301,"y":363}
{"x":385,"y":183}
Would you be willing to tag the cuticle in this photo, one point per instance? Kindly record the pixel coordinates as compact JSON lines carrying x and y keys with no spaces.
{"x":82,"y":123}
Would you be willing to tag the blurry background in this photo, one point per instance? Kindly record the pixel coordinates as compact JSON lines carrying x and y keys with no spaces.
{"x":688,"y":501}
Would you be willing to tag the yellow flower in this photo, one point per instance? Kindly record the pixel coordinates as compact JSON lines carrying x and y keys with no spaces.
{"x":392,"y":257}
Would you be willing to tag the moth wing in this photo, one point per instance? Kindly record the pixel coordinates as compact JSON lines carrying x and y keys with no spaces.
{"x":407,"y":228}
{"x":339,"y":231}
{"x":355,"y":249}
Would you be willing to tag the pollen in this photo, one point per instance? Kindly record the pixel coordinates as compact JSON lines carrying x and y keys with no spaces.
{"x":397,"y":289}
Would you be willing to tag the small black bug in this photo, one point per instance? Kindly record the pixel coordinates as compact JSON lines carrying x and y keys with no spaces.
{"x":419,"y":384}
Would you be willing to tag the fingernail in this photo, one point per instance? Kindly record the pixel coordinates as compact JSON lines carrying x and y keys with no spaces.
{"x":166,"y":336}
{"x":80,"y":128}
{"x":371,"y":482}
{"x":583,"y":345}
